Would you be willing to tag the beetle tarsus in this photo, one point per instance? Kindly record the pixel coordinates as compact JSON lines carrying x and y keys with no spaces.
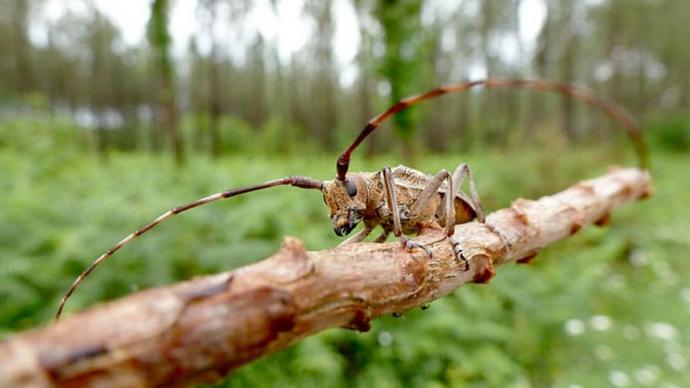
{"x":459,"y":254}
{"x":409,"y":245}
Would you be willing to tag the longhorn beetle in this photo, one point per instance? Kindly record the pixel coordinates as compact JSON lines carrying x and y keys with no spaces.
{"x":402,"y":200}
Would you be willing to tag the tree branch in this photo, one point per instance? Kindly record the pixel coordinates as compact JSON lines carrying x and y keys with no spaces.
{"x":201,"y":329}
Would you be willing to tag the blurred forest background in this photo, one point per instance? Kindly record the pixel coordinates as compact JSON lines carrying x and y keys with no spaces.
{"x":111,"y":112}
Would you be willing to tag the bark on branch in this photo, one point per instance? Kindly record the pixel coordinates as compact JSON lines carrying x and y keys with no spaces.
{"x":201,"y":329}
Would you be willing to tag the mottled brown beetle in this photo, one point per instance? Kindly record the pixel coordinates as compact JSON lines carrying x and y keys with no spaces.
{"x":401,"y":200}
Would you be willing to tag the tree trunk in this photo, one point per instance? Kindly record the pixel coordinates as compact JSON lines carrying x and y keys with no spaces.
{"x":214,"y":101}
{"x":568,"y":71}
{"x":160,"y":39}
{"x":22,"y":47}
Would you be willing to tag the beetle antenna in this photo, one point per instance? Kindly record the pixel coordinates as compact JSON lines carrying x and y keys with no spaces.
{"x":613,"y":110}
{"x":297,"y":181}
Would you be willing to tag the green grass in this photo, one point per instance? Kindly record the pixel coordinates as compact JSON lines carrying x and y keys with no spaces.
{"x":609,"y":305}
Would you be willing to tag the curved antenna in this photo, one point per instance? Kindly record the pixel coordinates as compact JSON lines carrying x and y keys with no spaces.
{"x":298,"y":181}
{"x":613,"y":110}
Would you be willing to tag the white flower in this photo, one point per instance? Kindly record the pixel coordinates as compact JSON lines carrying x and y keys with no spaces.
{"x":574,"y":327}
{"x":385,"y":338}
{"x":662,"y":330}
{"x":647,"y":375}
{"x":601,"y":322}
{"x":677,"y":361}
{"x":619,"y":378}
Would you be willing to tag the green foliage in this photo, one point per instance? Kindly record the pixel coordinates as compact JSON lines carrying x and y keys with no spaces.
{"x":236,"y":135}
{"x":158,"y":34}
{"x":607,"y":304}
{"x":275,"y":137}
{"x":41,"y":136}
{"x":402,"y":62}
{"x":671,"y":133}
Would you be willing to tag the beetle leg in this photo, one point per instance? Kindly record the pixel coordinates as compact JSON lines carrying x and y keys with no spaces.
{"x":383,"y":236}
{"x":425,"y":196}
{"x":458,"y":176}
{"x":457,"y":252}
{"x":392,"y":202}
{"x":430,"y":190}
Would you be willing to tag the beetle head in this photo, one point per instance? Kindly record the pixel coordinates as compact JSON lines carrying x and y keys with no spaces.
{"x":347,"y":200}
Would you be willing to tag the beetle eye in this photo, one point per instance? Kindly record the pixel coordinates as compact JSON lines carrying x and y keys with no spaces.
{"x":351,"y":188}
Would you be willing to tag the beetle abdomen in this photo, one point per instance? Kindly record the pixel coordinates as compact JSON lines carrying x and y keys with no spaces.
{"x":463,"y":211}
